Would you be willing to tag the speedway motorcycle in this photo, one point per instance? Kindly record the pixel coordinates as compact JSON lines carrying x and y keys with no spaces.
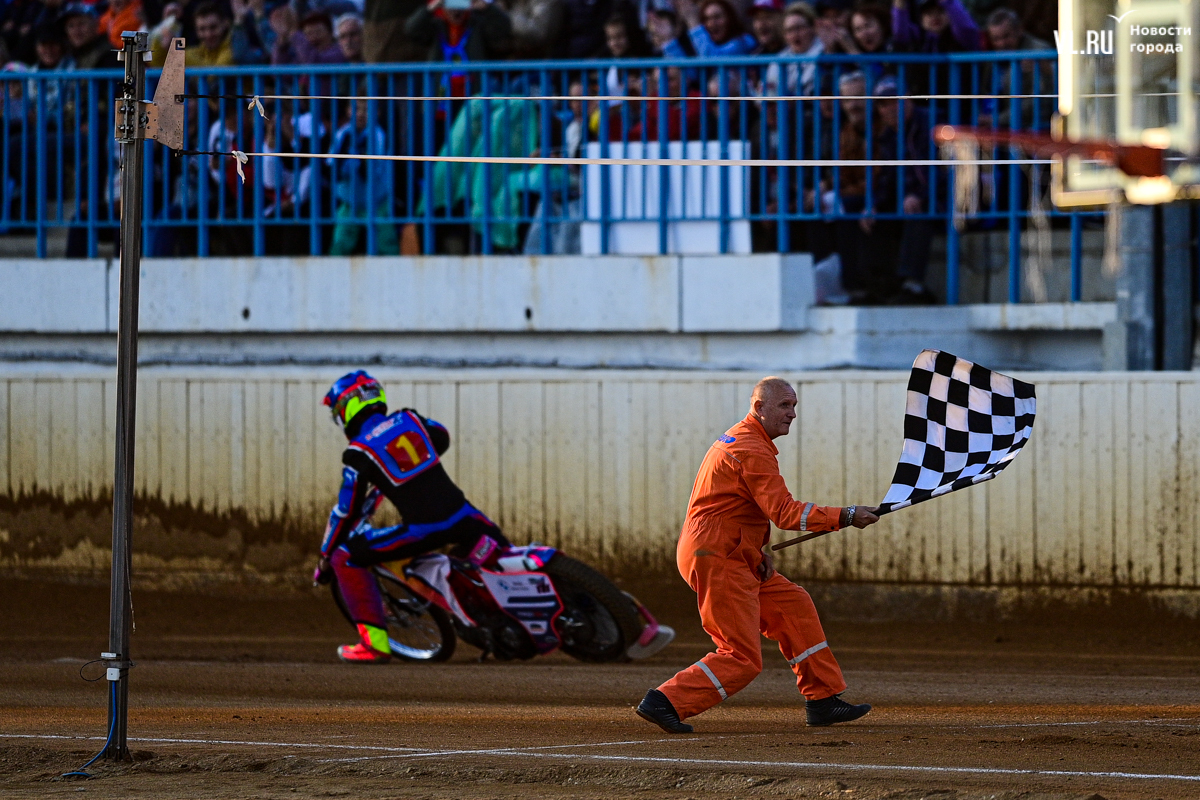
{"x":511,"y":603}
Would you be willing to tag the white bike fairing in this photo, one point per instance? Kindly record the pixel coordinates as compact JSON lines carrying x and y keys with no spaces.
{"x":530,"y":599}
{"x":433,"y":570}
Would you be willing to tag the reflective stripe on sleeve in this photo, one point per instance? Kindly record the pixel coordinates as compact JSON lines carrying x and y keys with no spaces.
{"x":804,"y":517}
{"x":815,"y":648}
{"x":716,"y":683}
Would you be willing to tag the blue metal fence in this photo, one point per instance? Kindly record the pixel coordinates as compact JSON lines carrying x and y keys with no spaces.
{"x":59,"y":162}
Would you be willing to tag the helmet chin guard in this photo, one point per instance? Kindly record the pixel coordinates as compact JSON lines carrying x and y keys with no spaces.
{"x":350,"y":394}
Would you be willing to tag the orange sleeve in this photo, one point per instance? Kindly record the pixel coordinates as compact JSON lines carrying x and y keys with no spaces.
{"x":761,"y":473}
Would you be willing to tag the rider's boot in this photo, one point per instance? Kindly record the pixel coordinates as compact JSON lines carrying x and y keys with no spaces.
{"x":373,"y":649}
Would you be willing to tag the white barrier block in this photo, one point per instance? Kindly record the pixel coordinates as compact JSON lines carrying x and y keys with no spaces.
{"x":60,"y":295}
{"x":765,"y":292}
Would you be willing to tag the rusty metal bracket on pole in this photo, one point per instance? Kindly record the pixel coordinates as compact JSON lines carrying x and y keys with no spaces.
{"x":162,"y":118}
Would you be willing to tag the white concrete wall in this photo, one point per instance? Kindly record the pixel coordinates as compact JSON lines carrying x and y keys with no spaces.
{"x":412,"y":295}
{"x":1107,"y":493}
{"x":54,"y":296}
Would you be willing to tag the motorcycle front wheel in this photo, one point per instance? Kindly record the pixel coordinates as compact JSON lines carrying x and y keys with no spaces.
{"x":417,"y":629}
{"x":598,"y":622}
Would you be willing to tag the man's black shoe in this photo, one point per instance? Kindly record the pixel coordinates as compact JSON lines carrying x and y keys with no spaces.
{"x":656,"y":708}
{"x":832,"y":710}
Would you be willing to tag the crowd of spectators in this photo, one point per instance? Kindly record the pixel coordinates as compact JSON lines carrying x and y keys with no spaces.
{"x":880,"y":236}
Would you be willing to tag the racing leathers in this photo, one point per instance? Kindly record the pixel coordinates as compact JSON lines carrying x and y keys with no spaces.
{"x":398,"y":457}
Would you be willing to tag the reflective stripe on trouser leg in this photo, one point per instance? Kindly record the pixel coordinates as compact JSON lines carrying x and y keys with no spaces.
{"x":716,"y":683}
{"x":807,"y":653}
{"x":790,"y":618}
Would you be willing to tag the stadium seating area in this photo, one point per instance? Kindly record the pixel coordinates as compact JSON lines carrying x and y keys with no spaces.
{"x":798,"y":84}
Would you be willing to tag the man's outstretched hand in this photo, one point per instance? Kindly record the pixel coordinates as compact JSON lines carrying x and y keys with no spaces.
{"x":864,"y":516}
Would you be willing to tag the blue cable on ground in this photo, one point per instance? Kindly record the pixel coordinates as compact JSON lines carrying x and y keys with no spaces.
{"x":79,"y":773}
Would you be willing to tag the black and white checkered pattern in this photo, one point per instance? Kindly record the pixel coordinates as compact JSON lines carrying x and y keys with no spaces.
{"x":962,"y":425}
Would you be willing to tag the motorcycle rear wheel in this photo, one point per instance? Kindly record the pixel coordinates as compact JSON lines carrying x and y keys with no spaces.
{"x":598,"y":622}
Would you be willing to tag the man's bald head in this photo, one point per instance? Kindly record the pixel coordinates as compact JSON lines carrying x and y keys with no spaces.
{"x":773,"y":403}
{"x":769,"y":388}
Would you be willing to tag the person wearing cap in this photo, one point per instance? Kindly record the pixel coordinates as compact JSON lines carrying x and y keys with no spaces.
{"x":766,"y":22}
{"x":941,"y":26}
{"x":89,"y":46}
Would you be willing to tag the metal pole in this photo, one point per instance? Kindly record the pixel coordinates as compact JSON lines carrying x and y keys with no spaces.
{"x":131,"y":122}
{"x":1176,"y":292}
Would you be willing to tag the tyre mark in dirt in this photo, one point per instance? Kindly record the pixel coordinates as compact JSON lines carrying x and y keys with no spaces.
{"x":823,"y":765}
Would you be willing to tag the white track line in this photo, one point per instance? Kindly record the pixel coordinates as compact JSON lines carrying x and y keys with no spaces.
{"x":701,"y":762}
{"x":1172,"y":720}
{"x":312,"y":745}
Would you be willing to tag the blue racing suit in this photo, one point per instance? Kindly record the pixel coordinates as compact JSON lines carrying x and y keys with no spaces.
{"x":397,"y":457}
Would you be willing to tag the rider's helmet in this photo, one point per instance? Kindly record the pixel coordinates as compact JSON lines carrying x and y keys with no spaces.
{"x":352,"y":393}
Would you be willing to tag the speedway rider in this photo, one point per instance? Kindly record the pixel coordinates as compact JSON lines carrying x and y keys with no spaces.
{"x":396,"y":456}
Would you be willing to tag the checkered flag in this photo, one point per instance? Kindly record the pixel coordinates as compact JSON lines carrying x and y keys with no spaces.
{"x":962,"y":425}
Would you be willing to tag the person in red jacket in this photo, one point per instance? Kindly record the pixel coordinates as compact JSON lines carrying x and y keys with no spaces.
{"x":737,"y":494}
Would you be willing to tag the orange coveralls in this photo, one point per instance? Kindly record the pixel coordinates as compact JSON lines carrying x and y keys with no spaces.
{"x":737,"y":493}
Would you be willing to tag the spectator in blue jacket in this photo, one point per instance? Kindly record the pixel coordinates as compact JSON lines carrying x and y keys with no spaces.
{"x":362,"y":186}
{"x":714,"y":30}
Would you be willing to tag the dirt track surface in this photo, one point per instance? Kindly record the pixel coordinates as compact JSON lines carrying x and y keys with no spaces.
{"x":229,"y":704}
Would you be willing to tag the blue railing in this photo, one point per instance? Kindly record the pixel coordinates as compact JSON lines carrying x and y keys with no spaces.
{"x":60,"y":171}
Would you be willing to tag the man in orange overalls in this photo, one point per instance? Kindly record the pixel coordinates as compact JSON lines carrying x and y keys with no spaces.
{"x":737,"y":494}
